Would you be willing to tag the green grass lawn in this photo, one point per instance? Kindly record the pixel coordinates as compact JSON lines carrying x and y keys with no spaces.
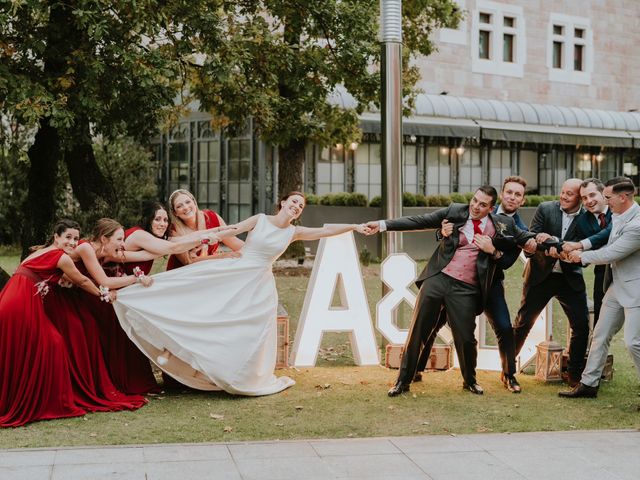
{"x":337,"y":400}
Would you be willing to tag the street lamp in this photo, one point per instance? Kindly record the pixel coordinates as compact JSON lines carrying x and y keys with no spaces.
{"x":391,"y":77}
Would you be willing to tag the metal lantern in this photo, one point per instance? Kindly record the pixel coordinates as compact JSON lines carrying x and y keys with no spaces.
{"x":549,"y":361}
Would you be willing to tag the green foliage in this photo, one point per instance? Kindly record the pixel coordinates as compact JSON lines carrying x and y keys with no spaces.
{"x":421,"y":200}
{"x":365,"y":256}
{"x":408,"y":199}
{"x":279,"y":61}
{"x":457,"y":197}
{"x":356,"y":200}
{"x":468,"y":196}
{"x":533,"y":200}
{"x":312,"y":199}
{"x":295,"y":250}
{"x":637,"y":199}
{"x":376,"y":201}
{"x":130,"y":168}
{"x":13,"y":178}
{"x":549,"y":198}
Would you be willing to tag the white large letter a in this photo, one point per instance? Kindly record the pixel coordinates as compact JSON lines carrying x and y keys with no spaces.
{"x":336,"y":269}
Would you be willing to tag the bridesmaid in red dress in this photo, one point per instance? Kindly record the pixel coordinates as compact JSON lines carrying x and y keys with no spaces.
{"x":187,"y":218}
{"x":129,"y":369}
{"x":35,"y":380}
{"x":151,"y":235}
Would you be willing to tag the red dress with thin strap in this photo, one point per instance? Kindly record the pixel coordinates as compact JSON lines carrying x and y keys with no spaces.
{"x":128,"y":367}
{"x":144,"y":266}
{"x":35,"y":382}
{"x":210,"y":221}
{"x":95,"y":392}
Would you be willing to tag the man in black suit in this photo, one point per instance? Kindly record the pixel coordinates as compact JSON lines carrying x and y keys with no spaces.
{"x":457,"y":277}
{"x":546,"y":276}
{"x":594,"y":229}
{"x":496,"y":310}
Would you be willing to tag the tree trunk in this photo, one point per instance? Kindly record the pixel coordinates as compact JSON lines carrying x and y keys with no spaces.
{"x":90,"y":186}
{"x":290,"y":167}
{"x":39,"y":209}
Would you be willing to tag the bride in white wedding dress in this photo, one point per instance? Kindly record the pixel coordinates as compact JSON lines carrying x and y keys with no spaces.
{"x":212,"y":325}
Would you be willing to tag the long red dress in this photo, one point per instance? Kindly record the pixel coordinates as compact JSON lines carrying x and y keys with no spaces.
{"x":94,"y":389}
{"x":35,"y":381}
{"x":210,"y":221}
{"x":129,"y":369}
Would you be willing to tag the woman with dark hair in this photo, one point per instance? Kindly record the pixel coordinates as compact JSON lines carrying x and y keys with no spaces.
{"x":35,"y":380}
{"x":212,"y":325}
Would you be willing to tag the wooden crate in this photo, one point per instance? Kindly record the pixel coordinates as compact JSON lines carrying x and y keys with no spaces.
{"x":440,"y":358}
{"x":282,"y":359}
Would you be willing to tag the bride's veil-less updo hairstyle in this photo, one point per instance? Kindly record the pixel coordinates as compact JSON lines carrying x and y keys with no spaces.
{"x":290,"y":194}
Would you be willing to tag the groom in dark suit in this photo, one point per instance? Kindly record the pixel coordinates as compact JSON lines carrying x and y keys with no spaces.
{"x":496,"y":310}
{"x":457,"y":277}
{"x":546,"y":276}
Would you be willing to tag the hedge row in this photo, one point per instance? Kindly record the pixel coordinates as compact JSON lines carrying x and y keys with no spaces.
{"x":410,"y":199}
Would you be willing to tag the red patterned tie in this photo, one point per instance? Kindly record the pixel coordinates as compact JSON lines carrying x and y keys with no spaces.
{"x":603,"y":220}
{"x":476,"y":227}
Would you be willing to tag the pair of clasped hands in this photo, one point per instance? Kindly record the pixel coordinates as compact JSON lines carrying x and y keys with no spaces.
{"x":211,"y":238}
{"x":570,"y":251}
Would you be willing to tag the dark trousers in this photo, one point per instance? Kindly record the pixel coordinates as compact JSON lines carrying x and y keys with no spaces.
{"x":598,"y":291}
{"x":460,"y":301}
{"x":574,"y":304}
{"x":497,"y":313}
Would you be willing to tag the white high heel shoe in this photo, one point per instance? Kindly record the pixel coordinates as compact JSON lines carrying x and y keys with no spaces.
{"x":163,"y":358}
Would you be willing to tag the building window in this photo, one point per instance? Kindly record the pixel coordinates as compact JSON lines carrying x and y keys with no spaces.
{"x":557,"y":54}
{"x":438,"y":169}
{"x":483,"y":45}
{"x":367,"y":169}
{"x":499,"y":42}
{"x":570,"y":51}
{"x":330,"y":170}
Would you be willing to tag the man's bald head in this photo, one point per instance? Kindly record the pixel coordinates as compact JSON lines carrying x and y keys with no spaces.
{"x":570,"y":195}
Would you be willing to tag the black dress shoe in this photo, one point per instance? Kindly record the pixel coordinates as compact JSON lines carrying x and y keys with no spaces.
{"x":417,"y":377}
{"x":510,"y":383}
{"x":473,"y":388}
{"x":580,"y":391}
{"x":398,"y":389}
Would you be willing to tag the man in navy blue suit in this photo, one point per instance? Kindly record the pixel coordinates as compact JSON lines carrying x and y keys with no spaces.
{"x":594,"y":227}
{"x":496,"y":309}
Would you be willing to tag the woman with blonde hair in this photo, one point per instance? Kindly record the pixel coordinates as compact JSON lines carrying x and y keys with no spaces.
{"x":187,"y":218}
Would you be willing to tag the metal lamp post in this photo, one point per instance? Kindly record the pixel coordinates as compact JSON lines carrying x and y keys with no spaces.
{"x":391,"y":77}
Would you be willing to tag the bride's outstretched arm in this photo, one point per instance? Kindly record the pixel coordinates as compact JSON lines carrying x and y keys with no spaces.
{"x":307,"y":233}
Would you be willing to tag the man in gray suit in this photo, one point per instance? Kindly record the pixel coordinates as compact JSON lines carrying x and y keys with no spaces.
{"x":621,"y":303}
{"x":457,"y":277}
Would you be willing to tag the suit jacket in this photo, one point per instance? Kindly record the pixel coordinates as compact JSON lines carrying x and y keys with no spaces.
{"x":548,"y":219}
{"x":589,"y":228}
{"x":623,"y":254}
{"x":510,"y":256}
{"x":458,"y":214}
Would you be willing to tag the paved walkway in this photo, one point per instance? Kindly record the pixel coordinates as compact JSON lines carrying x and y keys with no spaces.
{"x":600,"y":455}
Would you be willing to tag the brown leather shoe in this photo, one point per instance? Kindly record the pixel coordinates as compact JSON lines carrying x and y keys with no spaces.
{"x":398,"y":389}
{"x":569,"y":379}
{"x":580,"y":391}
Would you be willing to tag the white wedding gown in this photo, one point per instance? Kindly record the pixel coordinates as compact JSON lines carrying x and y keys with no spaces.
{"x":216,"y":317}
